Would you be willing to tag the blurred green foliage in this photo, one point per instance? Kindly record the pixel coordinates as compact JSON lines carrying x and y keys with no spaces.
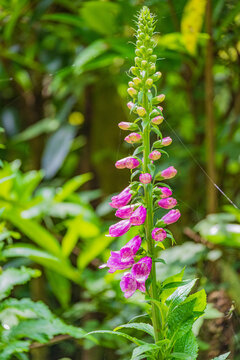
{"x":63,"y":80}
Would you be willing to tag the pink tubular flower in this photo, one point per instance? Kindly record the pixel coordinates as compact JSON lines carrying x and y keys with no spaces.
{"x":132,"y":163}
{"x":169,"y":173}
{"x":119,"y":228}
{"x":133,"y":138}
{"x":123,"y":259}
{"x":166,"y":192}
{"x":125,"y":212}
{"x":171,"y":217}
{"x":145,"y":178}
{"x":157,"y":120}
{"x":139,"y":216}
{"x":167,"y":203}
{"x":121,"y":199}
{"x":136,"y":279}
{"x":166,"y":141}
{"x":155,"y":155}
{"x":159,"y":234}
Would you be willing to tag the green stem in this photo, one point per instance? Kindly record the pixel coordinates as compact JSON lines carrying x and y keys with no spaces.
{"x":149,"y":225}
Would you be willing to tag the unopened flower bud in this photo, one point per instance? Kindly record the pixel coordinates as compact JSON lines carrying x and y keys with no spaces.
{"x":149,"y":82}
{"x":157,"y":76}
{"x":165,"y":192}
{"x":169,"y":173}
{"x":155,"y":155}
{"x":167,"y":203}
{"x":121,"y":164}
{"x":157,"y":99}
{"x":132,"y":163}
{"x":137,"y":81}
{"x":132,"y":92}
{"x":137,"y":60}
{"x":144,"y":63}
{"x":171,"y":217}
{"x":142,"y":48}
{"x":157,"y":120}
{"x":130,"y":105}
{"x":141,"y":111}
{"x":138,"y":52}
{"x":134,"y":70}
{"x":131,"y":84}
{"x":149,"y":51}
{"x":132,"y":138}
{"x":145,"y":178}
{"x":127,"y":126}
{"x":160,"y":108}
{"x":159,"y":234}
{"x":153,"y":58}
{"x":166,"y":141}
{"x":152,"y":69}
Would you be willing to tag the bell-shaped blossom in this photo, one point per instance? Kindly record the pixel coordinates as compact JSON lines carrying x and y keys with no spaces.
{"x":136,"y":279}
{"x":155,"y":155}
{"x":167,"y":203}
{"x":166,"y":141}
{"x":133,"y":138}
{"x":159,"y":234}
{"x":121,"y":199}
{"x":125,"y":212}
{"x":171,"y":217}
{"x":166,"y":192}
{"x":145,"y":178}
{"x":157,"y":120}
{"x":169,"y":173}
{"x":123,"y":259}
{"x":139,"y":216}
{"x":119,"y":228}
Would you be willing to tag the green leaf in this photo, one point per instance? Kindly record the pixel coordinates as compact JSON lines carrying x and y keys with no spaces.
{"x":14,"y":347}
{"x":165,"y":293}
{"x":60,"y":286}
{"x":33,"y":231}
{"x":160,"y":261}
{"x":71,"y":186}
{"x":200,"y":299}
{"x":187,"y":345}
{"x":223,"y":356}
{"x":191,"y":24}
{"x":180,"y":320}
{"x":100,"y":16}
{"x":138,"y":326}
{"x":56,"y":149}
{"x":61,"y":266}
{"x":64,"y":18}
{"x":138,"y":150}
{"x":41,"y":127}
{"x":180,"y":293}
{"x":126,"y":336}
{"x":43,"y":330}
{"x":90,"y":53}
{"x":11,"y":277}
{"x":143,"y":350}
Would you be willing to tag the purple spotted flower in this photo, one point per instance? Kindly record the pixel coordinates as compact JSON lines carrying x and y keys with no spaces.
{"x":159,"y":234}
{"x":121,"y":199}
{"x":167,"y":203}
{"x":139,"y":216}
{"x":145,"y":178}
{"x":136,"y":279}
{"x":171,"y":217}
{"x":132,"y":163}
{"x":119,"y":228}
{"x":166,"y":141}
{"x":125,"y":212}
{"x":123,"y":259}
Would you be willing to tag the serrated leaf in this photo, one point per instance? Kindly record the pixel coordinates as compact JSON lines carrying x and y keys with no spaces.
{"x":180,"y":320}
{"x":164,"y":294}
{"x":11,"y":277}
{"x":138,"y":326}
{"x":200,"y":299}
{"x":180,"y":293}
{"x":187,"y":345}
{"x":223,"y":356}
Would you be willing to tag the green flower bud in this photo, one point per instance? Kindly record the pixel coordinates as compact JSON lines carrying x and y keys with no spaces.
{"x":157,"y":76}
{"x":134,"y":70}
{"x":141,"y":111}
{"x":138,"y":52}
{"x":137,"y":81}
{"x":153,"y":58}
{"x":131,"y":84}
{"x":149,"y":51}
{"x":149,"y":82}
{"x":152,"y":69}
{"x":132,"y":92}
{"x":158,"y":99}
{"x":144,"y":63}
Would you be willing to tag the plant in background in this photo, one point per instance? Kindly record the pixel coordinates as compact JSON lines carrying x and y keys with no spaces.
{"x":172,"y":311}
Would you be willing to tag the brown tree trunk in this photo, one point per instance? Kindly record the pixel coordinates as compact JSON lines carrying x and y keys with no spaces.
{"x":210,"y":120}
